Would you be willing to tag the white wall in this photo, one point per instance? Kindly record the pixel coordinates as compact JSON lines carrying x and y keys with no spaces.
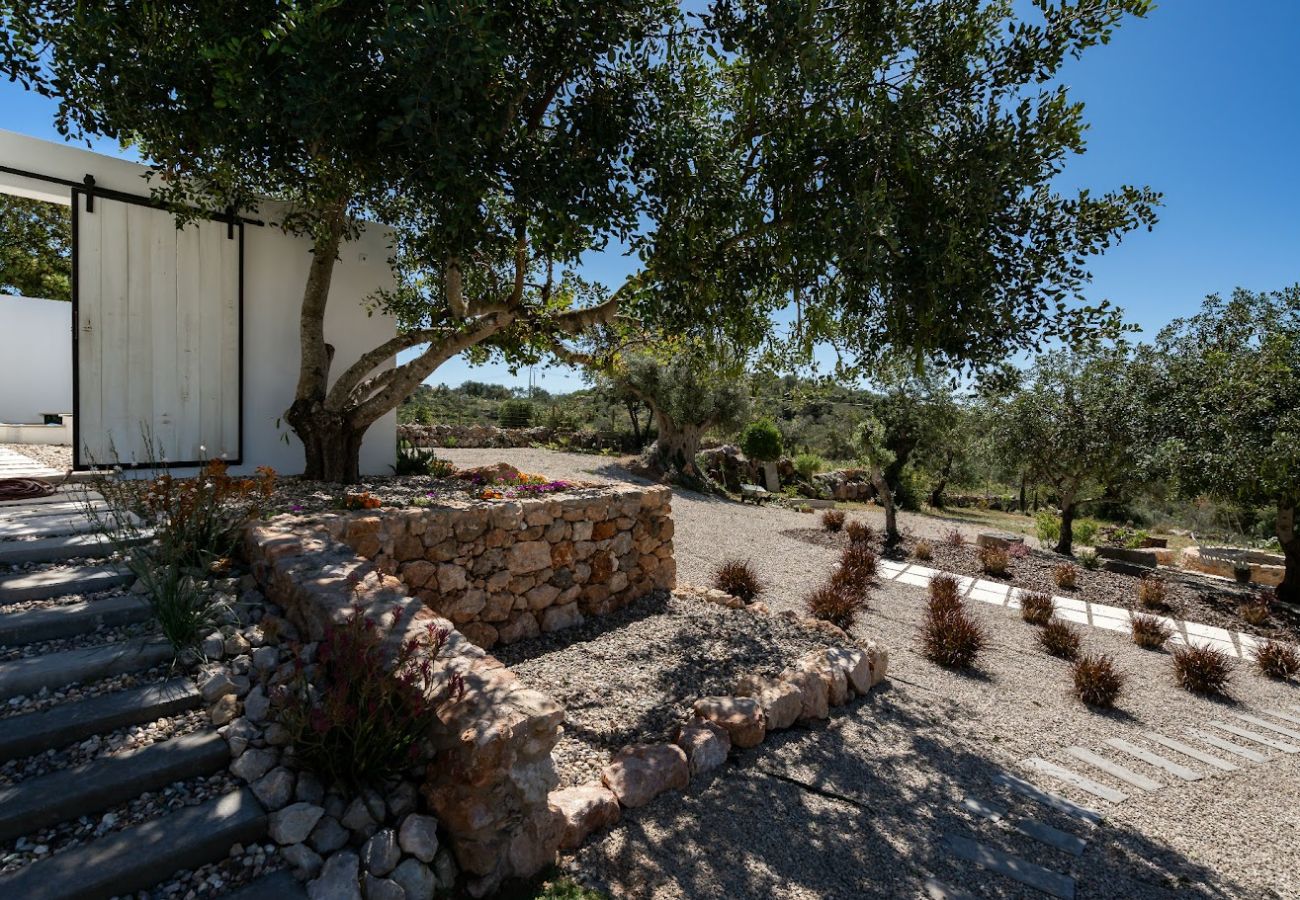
{"x":35,"y":359}
{"x":275,"y":271}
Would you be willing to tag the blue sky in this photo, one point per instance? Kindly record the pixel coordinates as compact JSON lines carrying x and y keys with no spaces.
{"x":1201,"y":101}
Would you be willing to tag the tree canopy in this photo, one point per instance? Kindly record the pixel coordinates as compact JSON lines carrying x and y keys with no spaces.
{"x":35,"y":249}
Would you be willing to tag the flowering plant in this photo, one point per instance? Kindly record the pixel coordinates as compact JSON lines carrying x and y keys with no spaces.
{"x":353,"y":716}
{"x":363,"y":500}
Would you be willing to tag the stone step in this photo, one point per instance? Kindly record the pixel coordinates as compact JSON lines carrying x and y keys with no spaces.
{"x":46,"y":510}
{"x":67,"y":723}
{"x":280,"y":885}
{"x":49,"y":583}
{"x":1074,"y":779}
{"x":12,"y":527}
{"x":30,"y":626}
{"x":1178,"y":770}
{"x":1114,"y":769}
{"x":1215,"y":741}
{"x":1209,"y":759}
{"x":1048,"y":799}
{"x":1258,"y":738}
{"x":1032,"y":828}
{"x":91,"y":788}
{"x":139,"y":857}
{"x":1052,"y":883}
{"x":54,"y":670}
{"x":73,"y":495}
{"x":57,"y":549}
{"x":1264,"y":723}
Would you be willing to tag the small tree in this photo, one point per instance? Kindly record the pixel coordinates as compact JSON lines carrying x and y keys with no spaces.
{"x":761,"y":441}
{"x":1225,"y":390}
{"x":873,"y":444}
{"x":35,"y":249}
{"x":1078,"y":424}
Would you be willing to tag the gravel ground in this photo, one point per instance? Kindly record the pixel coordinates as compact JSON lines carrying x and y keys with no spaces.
{"x":633,"y":676}
{"x":301,"y":496}
{"x":860,"y":806}
{"x":46,"y":698}
{"x":52,"y":455}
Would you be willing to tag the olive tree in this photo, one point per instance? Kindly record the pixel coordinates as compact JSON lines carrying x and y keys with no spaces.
{"x":1225,"y":391}
{"x":873,"y":444}
{"x":35,"y":249}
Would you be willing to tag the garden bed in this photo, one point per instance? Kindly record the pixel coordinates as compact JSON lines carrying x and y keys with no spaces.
{"x":1189,"y":597}
{"x":634,"y":675}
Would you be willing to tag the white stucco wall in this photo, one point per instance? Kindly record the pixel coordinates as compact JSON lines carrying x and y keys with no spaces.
{"x":275,"y":271}
{"x":35,"y":358}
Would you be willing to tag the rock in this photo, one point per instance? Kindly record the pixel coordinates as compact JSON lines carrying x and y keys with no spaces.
{"x":257,"y":704}
{"x":587,"y":808}
{"x":328,"y":835}
{"x":782,"y":703}
{"x":277,"y":735}
{"x":416,"y":879}
{"x":380,"y":855}
{"x":213,"y":646}
{"x":236,"y":644}
{"x":557,"y":618}
{"x":254,"y":763}
{"x":741,"y":717}
{"x":706,"y":745}
{"x":856,"y":666}
{"x":641,"y":772}
{"x":837,"y":682}
{"x":265,"y":659}
{"x":310,"y":788}
{"x":224,"y":710}
{"x":239,"y":733}
{"x":338,"y":879}
{"x":521,"y":627}
{"x":275,"y":788}
{"x":418,"y":836}
{"x":878,"y":657}
{"x":528,"y":556}
{"x":382,"y":888}
{"x":358,"y":819}
{"x":444,"y":867}
{"x":292,"y":824}
{"x":402,"y":798}
{"x":813,"y":691}
{"x":304,"y":861}
{"x":216,"y":686}
{"x":1000,"y":541}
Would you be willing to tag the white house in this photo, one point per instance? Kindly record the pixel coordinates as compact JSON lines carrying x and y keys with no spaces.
{"x":185,"y":341}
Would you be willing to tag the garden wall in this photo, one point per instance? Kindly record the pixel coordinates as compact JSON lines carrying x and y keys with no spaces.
{"x":506,"y":570}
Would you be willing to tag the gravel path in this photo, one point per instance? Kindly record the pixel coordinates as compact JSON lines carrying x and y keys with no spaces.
{"x":859,"y":806}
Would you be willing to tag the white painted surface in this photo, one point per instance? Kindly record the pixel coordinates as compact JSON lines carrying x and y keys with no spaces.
{"x":275,"y":271}
{"x":35,"y":359}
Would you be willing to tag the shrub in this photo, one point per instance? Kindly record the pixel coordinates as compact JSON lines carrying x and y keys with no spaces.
{"x":945,"y":591}
{"x":1089,"y":560}
{"x":363,"y":500}
{"x":833,"y":519}
{"x":951,"y":637}
{"x":1276,"y":659}
{"x":923,"y":551}
{"x":1149,"y":632}
{"x":356,"y":719}
{"x":1036,"y":608}
{"x":181,"y":605}
{"x":1255,"y":613}
{"x":1153,"y":592}
{"x":1096,"y":681}
{"x":954,"y":537}
{"x":1017,"y":550}
{"x":808,"y":465}
{"x":994,"y":561}
{"x":1047,"y":525}
{"x":515,"y":414}
{"x":738,"y":578}
{"x":1201,"y":670}
{"x":1060,"y":639}
{"x":1066,"y":575}
{"x":1085,"y":531}
{"x":835,"y":603}
{"x":859,"y":562}
{"x":413,"y":461}
{"x":859,"y":532}
{"x":761,"y":440}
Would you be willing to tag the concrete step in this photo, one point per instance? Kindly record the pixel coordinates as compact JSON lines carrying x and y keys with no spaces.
{"x":58,"y":549}
{"x":49,"y":583}
{"x":67,"y":723}
{"x":139,"y":857}
{"x":28,"y":526}
{"x":45,"y":510}
{"x":280,"y":885}
{"x":91,"y":788}
{"x":30,"y":626}
{"x":71,"y":495}
{"x":54,"y":670}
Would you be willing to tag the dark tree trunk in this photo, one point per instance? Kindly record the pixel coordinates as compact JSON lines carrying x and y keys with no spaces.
{"x":886,"y":496}
{"x":1024,"y":503}
{"x":1289,"y":590}
{"x":936,"y":493}
{"x":677,"y":445}
{"x":1066,"y":542}
{"x":633,"y":414}
{"x":331,"y":444}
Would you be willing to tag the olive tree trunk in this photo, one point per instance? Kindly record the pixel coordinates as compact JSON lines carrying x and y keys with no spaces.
{"x":886,"y":496}
{"x":1065,"y":543}
{"x":677,"y":444}
{"x":1289,"y":590}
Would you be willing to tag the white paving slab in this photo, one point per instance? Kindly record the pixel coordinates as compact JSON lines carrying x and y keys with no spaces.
{"x":1114,"y":769}
{"x":1295,"y":720}
{"x":1210,"y":760}
{"x":1257,"y":737}
{"x":1070,"y":777}
{"x":1178,"y":770}
{"x":1264,"y":723}
{"x":1215,"y":741}
{"x":1023,"y":871}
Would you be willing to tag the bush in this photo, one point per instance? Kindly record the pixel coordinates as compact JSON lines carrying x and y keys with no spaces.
{"x":1089,"y":560}
{"x":1060,"y":639}
{"x":1066,"y":575}
{"x":833,"y":520}
{"x":515,"y":414}
{"x":835,"y":603}
{"x":1047,"y":526}
{"x":1153,"y":592}
{"x":859,"y":532}
{"x":859,"y":562}
{"x":738,"y":578}
{"x":1096,"y":681}
{"x":951,"y":637}
{"x":413,"y":461}
{"x":954,"y":537}
{"x":945,"y":591}
{"x":1085,"y":531}
{"x":1255,"y":613}
{"x":1276,"y":659}
{"x":1036,"y":608}
{"x":181,"y":605}
{"x":808,"y":465}
{"x":923,"y":551}
{"x":356,"y":719}
{"x":1201,"y":670}
{"x":1149,"y":632}
{"x":761,"y":441}
{"x":994,"y":561}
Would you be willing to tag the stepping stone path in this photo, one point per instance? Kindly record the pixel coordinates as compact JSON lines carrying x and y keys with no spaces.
{"x":56,"y":599}
{"x":15,"y":465}
{"x":1029,"y":850}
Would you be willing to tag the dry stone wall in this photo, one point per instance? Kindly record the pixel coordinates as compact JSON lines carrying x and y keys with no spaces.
{"x":506,"y":570}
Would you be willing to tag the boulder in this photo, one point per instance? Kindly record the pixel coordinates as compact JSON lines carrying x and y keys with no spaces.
{"x":641,"y":772}
{"x":292,"y":824}
{"x":706,"y":744}
{"x":837,"y":682}
{"x":418,"y":836}
{"x":740,"y":717}
{"x":416,"y":879}
{"x":338,"y":879}
{"x":587,"y":808}
{"x":1000,"y":540}
{"x":380,"y":854}
{"x":813,"y":691}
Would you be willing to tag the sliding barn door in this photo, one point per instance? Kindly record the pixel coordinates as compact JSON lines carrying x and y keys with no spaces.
{"x":157,"y":336}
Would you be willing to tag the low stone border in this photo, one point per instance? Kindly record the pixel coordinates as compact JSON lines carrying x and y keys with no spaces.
{"x":805,"y":691}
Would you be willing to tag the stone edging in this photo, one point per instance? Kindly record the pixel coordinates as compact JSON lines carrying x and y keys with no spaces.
{"x":804,"y":691}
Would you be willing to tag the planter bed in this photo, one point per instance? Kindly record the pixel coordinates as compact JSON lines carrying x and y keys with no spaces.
{"x":298,"y":495}
{"x":633,"y":676}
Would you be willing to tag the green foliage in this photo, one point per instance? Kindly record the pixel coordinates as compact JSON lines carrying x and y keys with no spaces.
{"x":761,"y":441}
{"x":515,"y":414}
{"x":181,"y":605}
{"x":808,"y":464}
{"x":35,"y":248}
{"x":414,"y":461}
{"x":1089,"y":560}
{"x":1047,"y":526}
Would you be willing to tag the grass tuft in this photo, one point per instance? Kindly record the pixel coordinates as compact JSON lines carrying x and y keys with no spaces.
{"x":833,"y":520}
{"x":1153,"y":592}
{"x":738,"y":578}
{"x":1277,"y":660}
{"x":1201,"y":670}
{"x":1067,"y":576}
{"x":994,"y":561}
{"x":950,"y":637}
{"x":923,"y":551}
{"x":1036,"y":608}
{"x":835,"y":603}
{"x":1096,"y":680}
{"x":1060,"y":639}
{"x":859,"y":532}
{"x":1150,"y":633}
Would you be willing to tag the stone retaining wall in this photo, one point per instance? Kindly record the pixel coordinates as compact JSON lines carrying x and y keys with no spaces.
{"x":508,"y":570}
